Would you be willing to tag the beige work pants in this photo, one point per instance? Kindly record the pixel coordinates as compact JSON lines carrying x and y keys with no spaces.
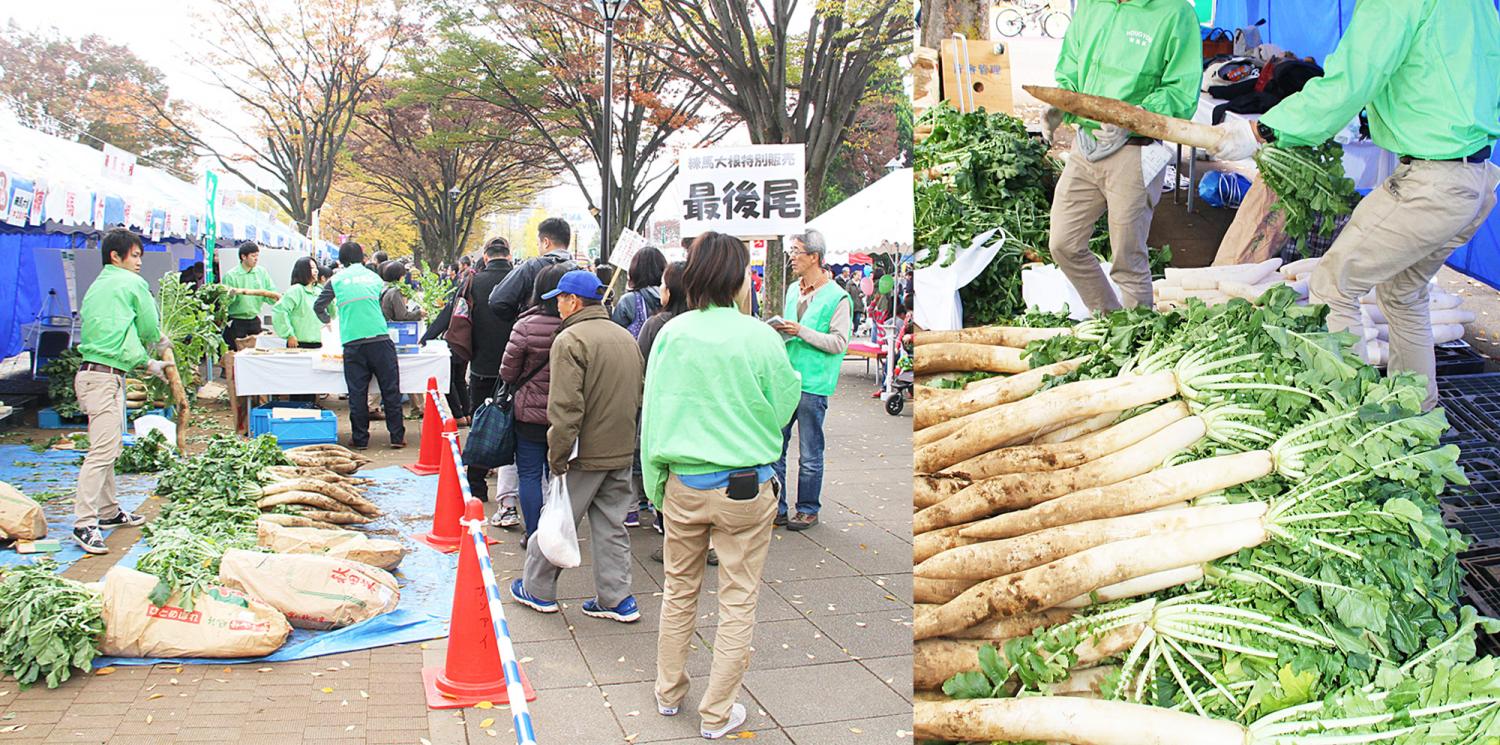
{"x":741,"y":533}
{"x":102,"y":398}
{"x":1396,"y":240}
{"x":1084,"y":192}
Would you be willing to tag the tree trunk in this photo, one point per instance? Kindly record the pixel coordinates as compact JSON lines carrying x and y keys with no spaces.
{"x":776,"y":279}
{"x":943,"y":18}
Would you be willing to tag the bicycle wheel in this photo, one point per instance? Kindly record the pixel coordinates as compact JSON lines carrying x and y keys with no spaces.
{"x":1055,"y":24}
{"x":1009,"y":22}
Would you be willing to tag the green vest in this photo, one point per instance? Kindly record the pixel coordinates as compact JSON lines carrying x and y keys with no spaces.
{"x":356,"y":292}
{"x":820,"y":370}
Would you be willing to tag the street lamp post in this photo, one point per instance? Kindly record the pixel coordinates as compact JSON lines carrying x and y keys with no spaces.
{"x":610,"y":9}
{"x":453,"y":194}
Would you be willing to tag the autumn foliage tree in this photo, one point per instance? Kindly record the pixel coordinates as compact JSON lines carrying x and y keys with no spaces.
{"x":556,"y":85}
{"x":446,"y":160}
{"x":91,"y":91}
{"x":301,"y":74}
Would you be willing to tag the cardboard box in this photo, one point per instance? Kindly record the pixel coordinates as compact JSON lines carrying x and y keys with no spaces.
{"x":976,"y":75}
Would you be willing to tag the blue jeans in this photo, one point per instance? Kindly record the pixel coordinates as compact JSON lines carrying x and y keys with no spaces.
{"x":531,"y":470}
{"x":809,"y":421}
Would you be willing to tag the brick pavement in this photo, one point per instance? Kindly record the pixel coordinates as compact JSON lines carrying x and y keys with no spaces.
{"x":832,"y":660}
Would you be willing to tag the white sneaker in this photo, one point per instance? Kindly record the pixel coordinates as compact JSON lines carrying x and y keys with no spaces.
{"x":664,"y":710}
{"x":736,"y":718}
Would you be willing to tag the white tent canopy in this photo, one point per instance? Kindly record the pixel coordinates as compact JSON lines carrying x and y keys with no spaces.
{"x":880,"y":214}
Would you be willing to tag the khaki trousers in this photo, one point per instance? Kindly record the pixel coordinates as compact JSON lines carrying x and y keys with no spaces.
{"x":102,"y":398}
{"x":1395,"y":242}
{"x":741,"y":533}
{"x":1084,"y":192}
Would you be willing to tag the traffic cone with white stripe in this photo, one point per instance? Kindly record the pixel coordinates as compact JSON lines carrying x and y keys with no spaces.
{"x":472,"y":672}
{"x":429,"y":457}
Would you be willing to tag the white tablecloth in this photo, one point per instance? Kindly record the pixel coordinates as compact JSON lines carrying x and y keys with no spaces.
{"x":285,"y":374}
{"x":1364,"y":162}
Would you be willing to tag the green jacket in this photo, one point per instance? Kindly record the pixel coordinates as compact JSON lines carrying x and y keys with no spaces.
{"x":293,"y":318}
{"x":119,"y":320}
{"x":689,"y":426}
{"x":1144,"y":52}
{"x":1428,"y":70}
{"x":247,"y":306}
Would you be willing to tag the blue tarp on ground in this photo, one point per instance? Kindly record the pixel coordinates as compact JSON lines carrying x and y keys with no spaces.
{"x":425,"y":576}
{"x":1313,"y":28}
{"x":55,"y":472}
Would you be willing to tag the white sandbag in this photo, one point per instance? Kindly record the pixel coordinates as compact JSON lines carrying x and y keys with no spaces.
{"x":223,"y":623}
{"x":20,"y":517}
{"x":315,"y":592}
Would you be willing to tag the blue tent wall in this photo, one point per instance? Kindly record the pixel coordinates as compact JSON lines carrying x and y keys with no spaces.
{"x":20,"y":293}
{"x":1313,"y":27}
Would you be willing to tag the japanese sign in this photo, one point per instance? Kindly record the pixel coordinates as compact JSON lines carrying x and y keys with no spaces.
{"x":210,"y":223}
{"x":118,"y":163}
{"x":742,"y":191}
{"x":19,"y":208}
{"x":626,"y":247}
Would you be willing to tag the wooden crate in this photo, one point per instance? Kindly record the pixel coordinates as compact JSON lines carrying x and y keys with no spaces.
{"x":976,"y":75}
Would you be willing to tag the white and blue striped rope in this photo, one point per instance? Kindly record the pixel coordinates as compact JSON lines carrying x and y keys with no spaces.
{"x":515,"y":691}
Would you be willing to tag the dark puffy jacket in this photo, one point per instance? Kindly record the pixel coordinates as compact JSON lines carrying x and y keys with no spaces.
{"x":529,"y":346}
{"x":490,"y":332}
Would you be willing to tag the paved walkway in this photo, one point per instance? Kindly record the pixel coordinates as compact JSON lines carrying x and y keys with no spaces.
{"x":832,"y":659}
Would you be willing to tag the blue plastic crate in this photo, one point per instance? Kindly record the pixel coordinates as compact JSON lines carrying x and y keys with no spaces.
{"x":48,"y":419}
{"x":292,"y":431}
{"x":405,"y":333}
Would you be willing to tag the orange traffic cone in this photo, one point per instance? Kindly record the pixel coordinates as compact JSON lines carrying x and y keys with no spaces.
{"x":446,"y":533}
{"x":472,"y":672}
{"x":429,"y":457}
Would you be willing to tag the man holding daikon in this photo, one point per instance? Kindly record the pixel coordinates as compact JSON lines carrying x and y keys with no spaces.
{"x":1146,"y":53}
{"x":1428,"y":72}
{"x":119,"y":322}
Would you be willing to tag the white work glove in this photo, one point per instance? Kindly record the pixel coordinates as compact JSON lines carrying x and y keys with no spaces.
{"x":1102,"y":142}
{"x":156,"y":369}
{"x":163,"y":345}
{"x":1052,"y":118}
{"x":1237,"y":141}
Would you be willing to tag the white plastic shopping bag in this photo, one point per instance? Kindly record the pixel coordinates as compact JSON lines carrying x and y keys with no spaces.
{"x":556,"y":535}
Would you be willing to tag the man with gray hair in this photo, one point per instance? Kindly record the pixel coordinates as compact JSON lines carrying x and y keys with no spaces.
{"x":816,"y":323}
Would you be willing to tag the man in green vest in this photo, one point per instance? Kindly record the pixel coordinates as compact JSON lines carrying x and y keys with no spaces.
{"x":119,"y":321}
{"x":1143,"y":52}
{"x":1428,"y":73}
{"x":368,"y":349}
{"x":816,"y":323}
{"x":250,"y":289}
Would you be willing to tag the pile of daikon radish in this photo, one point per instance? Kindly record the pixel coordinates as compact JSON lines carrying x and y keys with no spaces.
{"x":1234,"y":522}
{"x":1218,"y":284}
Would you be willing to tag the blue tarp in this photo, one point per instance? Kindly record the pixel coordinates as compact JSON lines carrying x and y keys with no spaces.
{"x":1313,"y":28}
{"x":53,"y":475}
{"x":425,"y":577}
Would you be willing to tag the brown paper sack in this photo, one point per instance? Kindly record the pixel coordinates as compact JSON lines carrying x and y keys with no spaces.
{"x":339,"y":544}
{"x":315,"y":592}
{"x":222,"y":623}
{"x":1257,"y":232}
{"x":20,"y":518}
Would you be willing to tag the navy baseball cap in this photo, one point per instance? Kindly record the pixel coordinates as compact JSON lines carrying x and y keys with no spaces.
{"x":580,"y":282}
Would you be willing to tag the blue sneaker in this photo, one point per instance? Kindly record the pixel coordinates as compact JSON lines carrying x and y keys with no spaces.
{"x":626,"y":612}
{"x":518,"y":594}
{"x":633,"y":519}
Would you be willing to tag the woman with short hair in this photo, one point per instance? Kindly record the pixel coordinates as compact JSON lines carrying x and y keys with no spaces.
{"x":644,"y":298}
{"x":719,"y":388}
